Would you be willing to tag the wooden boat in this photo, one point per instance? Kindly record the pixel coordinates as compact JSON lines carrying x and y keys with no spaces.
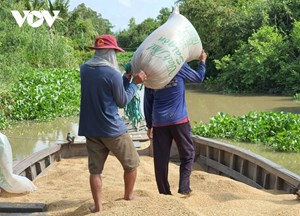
{"x":214,"y":156}
{"x":244,"y":166}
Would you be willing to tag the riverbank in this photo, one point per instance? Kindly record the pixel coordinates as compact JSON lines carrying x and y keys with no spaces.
{"x":65,"y":190}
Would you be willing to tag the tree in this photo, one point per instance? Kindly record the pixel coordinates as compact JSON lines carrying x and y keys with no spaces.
{"x":132,"y":37}
{"x":36,"y":4}
{"x":163,"y":16}
{"x":61,"y":5}
{"x":283,"y":13}
{"x":132,"y":23}
{"x":289,"y":76}
{"x":84,"y":25}
{"x":256,"y":66}
{"x":223,"y":24}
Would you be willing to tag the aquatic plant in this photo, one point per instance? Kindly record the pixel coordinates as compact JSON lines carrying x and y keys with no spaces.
{"x":277,"y":130}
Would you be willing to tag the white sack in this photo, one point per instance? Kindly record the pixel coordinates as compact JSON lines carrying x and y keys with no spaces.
{"x":8,"y":181}
{"x":164,"y":51}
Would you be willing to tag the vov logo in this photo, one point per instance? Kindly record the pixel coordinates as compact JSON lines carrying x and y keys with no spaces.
{"x":35,"y":18}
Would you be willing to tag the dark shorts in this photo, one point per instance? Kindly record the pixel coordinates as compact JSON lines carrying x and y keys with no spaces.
{"x":121,"y":147}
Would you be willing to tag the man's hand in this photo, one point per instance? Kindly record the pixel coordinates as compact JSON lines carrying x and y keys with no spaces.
{"x":140,"y":77}
{"x":150,"y":133}
{"x":203,"y":56}
{"x":128,"y":76}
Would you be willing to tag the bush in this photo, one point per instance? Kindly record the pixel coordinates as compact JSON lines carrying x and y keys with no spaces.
{"x":278,"y":130}
{"x":45,"y":94}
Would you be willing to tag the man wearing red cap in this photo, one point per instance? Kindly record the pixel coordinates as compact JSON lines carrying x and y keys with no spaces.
{"x":102,"y":93}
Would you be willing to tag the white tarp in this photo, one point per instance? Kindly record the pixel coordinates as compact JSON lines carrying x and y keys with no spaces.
{"x":8,"y":181}
{"x":165,"y":50}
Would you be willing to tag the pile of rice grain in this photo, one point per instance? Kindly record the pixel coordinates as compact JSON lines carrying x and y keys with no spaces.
{"x":66,"y":191}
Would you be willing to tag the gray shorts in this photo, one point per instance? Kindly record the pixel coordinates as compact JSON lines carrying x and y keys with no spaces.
{"x":122,"y":147}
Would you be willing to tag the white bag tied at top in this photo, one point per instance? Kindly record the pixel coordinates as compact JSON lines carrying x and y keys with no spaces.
{"x":165,"y":50}
{"x":8,"y":181}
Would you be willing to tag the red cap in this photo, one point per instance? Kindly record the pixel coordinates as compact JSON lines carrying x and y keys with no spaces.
{"x":106,"y":42}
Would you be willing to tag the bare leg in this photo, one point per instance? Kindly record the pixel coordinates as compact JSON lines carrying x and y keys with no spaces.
{"x":96,"y":188}
{"x":129,"y":180}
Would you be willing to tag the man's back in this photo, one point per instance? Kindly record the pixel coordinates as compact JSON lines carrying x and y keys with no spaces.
{"x":101,"y":92}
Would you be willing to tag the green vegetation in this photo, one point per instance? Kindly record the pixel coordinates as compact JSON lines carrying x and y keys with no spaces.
{"x":124,"y":58}
{"x":45,"y":94}
{"x":277,"y":130}
{"x":61,"y":46}
{"x":42,"y":94}
{"x":253,"y":46}
{"x":297,"y":97}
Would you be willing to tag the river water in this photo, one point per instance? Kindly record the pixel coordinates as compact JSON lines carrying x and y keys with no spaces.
{"x":29,"y":137}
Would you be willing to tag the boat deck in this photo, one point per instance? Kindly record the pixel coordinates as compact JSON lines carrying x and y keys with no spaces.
{"x":213,"y":156}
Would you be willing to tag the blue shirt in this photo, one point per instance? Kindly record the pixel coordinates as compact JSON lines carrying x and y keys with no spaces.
{"x":167,"y":106}
{"x":102,"y":93}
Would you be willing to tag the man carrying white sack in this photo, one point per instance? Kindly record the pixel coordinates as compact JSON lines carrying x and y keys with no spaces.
{"x":8,"y":181}
{"x":167,"y":119}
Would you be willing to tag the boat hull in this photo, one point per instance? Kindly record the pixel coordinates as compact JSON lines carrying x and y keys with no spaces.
{"x":213,"y":156}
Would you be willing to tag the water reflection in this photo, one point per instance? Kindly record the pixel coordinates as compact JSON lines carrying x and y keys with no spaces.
{"x":28,"y":137}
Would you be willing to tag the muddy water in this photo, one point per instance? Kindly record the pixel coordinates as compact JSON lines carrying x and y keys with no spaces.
{"x":202,"y":106}
{"x":28,"y":137}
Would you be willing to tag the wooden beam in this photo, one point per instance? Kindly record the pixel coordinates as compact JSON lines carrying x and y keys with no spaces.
{"x":18,"y":207}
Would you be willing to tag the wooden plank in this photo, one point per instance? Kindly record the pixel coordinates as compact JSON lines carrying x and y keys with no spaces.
{"x":228,"y":171}
{"x":139,"y":136}
{"x":27,"y":162}
{"x":18,"y":207}
{"x":24,"y":214}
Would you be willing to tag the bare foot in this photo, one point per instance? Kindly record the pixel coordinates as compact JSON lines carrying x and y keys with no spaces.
{"x":129,"y":197}
{"x":93,"y":209}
